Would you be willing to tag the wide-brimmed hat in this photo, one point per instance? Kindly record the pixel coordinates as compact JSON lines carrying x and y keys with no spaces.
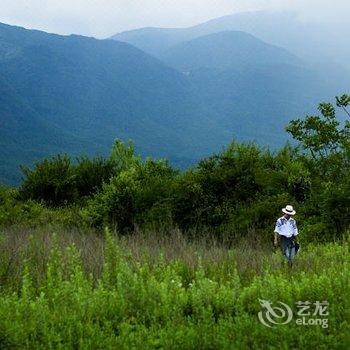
{"x":289,"y":210}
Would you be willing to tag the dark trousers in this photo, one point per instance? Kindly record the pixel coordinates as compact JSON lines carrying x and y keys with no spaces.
{"x":288,"y":247}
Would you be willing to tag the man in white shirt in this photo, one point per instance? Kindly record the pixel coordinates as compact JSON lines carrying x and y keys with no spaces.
{"x":286,"y":232}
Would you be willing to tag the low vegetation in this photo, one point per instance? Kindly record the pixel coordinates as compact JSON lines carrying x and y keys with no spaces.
{"x":130,"y":253}
{"x":240,"y":189}
{"x":72,"y":290}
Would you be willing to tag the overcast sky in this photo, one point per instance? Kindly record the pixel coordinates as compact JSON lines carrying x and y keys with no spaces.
{"x":103,"y":18}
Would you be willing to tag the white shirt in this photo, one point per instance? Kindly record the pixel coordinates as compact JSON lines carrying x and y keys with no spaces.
{"x":285,"y":227}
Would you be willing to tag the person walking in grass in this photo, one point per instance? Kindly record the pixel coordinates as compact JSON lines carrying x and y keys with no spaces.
{"x":286,"y":232}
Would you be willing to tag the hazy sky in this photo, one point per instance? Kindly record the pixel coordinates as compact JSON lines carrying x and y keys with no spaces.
{"x":102,"y":18}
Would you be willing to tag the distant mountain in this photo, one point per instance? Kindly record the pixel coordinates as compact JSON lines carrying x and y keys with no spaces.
{"x":76,"y":94}
{"x":314,"y":41}
{"x":25,"y":136}
{"x":257,"y":102}
{"x":154,"y":41}
{"x":225,"y":50}
{"x":252,"y":87}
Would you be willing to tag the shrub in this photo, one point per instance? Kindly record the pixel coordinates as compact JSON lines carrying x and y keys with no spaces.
{"x":91,"y":174}
{"x":51,"y":181}
{"x":137,"y":195}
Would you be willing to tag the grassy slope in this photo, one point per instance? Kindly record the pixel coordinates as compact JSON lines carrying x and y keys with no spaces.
{"x":194,"y":295}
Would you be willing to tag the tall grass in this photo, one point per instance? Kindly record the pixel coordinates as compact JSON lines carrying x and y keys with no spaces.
{"x":33,"y":245}
{"x":163,"y":290}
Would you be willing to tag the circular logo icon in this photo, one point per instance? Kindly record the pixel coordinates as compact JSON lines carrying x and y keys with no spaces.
{"x":274,"y":315}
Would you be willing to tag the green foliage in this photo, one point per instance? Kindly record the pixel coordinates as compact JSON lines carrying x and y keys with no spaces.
{"x":328,"y":143}
{"x":58,"y":182}
{"x":29,"y":213}
{"x":152,"y":304}
{"x":335,"y":205}
{"x":91,"y":174}
{"x":51,"y":181}
{"x":322,"y":136}
{"x":13,"y":211}
{"x":123,"y":156}
{"x":343,"y":101}
{"x":239,"y":190}
{"x":136,"y":195}
{"x":7,"y":194}
{"x":206,"y":194}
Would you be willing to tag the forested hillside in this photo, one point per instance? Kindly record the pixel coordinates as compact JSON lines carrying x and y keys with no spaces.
{"x":76,"y":95}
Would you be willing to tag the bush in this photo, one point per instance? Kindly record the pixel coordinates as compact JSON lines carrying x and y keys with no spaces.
{"x":56,"y":182}
{"x":240,"y":189}
{"x":137,"y":195}
{"x":51,"y":181}
{"x":91,"y":174}
{"x":205,"y":194}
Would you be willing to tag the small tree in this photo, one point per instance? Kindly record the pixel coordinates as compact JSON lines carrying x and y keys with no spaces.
{"x":90,"y":174}
{"x":321,"y":135}
{"x":324,"y":138}
{"x":136,"y":194}
{"x":123,"y":155}
{"x":51,"y":181}
{"x":328,"y":143}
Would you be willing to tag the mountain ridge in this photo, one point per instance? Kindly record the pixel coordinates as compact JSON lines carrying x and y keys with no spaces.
{"x":226,"y":49}
{"x":311,"y":41}
{"x":99,"y":90}
{"x":74,"y":94}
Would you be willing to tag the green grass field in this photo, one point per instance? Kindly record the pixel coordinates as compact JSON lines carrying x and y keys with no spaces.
{"x":79,"y":290}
